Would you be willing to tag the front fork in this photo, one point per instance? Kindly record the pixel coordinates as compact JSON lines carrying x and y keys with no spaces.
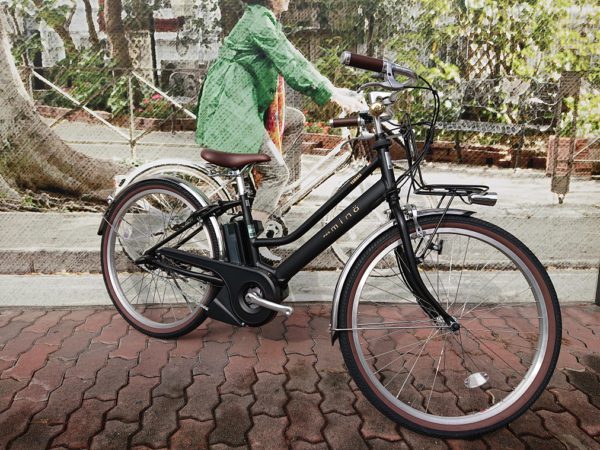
{"x":407,"y":257}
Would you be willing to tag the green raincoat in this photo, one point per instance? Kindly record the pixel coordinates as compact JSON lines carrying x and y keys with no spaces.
{"x":241,"y":84}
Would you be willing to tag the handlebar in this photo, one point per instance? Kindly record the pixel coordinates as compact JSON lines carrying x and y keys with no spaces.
{"x":347,"y":122}
{"x":375,"y":64}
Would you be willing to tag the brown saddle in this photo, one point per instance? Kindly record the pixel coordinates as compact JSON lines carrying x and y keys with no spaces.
{"x":233,"y":160}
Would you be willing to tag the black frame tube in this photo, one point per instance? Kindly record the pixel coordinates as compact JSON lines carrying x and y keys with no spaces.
{"x":343,"y":222}
{"x":348,"y":186}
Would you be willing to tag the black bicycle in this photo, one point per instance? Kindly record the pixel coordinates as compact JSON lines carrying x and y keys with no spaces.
{"x":448,"y":324}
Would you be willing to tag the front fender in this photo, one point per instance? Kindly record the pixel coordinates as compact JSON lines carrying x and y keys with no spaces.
{"x":363,"y":245}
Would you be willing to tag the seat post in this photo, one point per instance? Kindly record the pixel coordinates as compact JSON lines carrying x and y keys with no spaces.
{"x":239,"y":179}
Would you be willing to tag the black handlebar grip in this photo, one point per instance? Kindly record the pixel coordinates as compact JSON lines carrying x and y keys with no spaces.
{"x":362,"y":62}
{"x":346,"y":122}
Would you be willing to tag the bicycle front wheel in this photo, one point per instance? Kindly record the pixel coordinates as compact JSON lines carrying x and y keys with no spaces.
{"x":418,"y":371}
{"x":159,"y":302}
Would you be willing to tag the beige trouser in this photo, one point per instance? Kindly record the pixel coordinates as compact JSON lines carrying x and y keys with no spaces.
{"x":281,"y":169}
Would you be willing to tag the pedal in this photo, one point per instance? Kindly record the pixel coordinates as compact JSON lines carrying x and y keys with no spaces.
{"x":254,"y":299}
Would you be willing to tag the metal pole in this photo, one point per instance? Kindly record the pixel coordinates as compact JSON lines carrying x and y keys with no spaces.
{"x":131,"y":117}
{"x":598,"y":288}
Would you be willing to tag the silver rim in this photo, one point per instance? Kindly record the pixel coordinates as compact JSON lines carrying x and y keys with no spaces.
{"x":436,"y":375}
{"x":151,"y":296}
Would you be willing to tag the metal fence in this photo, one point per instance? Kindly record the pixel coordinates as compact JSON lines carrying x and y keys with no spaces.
{"x":525,"y":123}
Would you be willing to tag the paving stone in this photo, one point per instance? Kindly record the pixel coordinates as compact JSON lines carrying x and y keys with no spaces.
{"x":159,"y":422}
{"x":202,"y":398}
{"x":110,"y":379}
{"x":189,"y":346}
{"x":380,"y":444}
{"x":302,"y":375}
{"x":45,"y":380}
{"x":244,"y":342}
{"x":38,"y":435}
{"x":191,"y":434}
{"x":12,"y":329}
{"x":578,"y":404}
{"x":212,"y":360}
{"x":228,"y":447}
{"x":59,"y":332}
{"x":114,"y":331}
{"x":375,"y":424}
{"x":300,"y":318}
{"x":4,"y":365}
{"x":503,"y":438}
{"x":458,"y":444}
{"x":329,"y":357}
{"x":303,"y":445}
{"x":130,"y":345}
{"x":320,"y":328}
{"x":529,"y":423}
{"x":114,"y":436}
{"x":267,"y":432}
{"x":591,"y":361}
{"x":232,"y":420}
{"x":133,"y":399}
{"x":337,"y":396}
{"x":306,"y":420}
{"x":97,"y":321}
{"x":566,"y":360}
{"x":79,"y":315}
{"x":6,"y":315}
{"x":274,"y":330}
{"x":271,"y":356}
{"x":299,"y":341}
{"x":547,"y":402}
{"x":14,"y":420}
{"x":534,"y":442}
{"x":45,"y":322}
{"x":419,"y":441}
{"x":588,"y":383}
{"x":343,"y":431}
{"x":83,"y":424}
{"x":16,"y":347}
{"x":175,"y":377}
{"x":29,"y":316}
{"x":270,"y":395}
{"x":90,"y":362}
{"x":239,"y":376}
{"x":560,"y":380}
{"x":8,"y":389}
{"x":578,"y":331}
{"x":564,"y":427}
{"x":29,"y":362}
{"x":72,"y":346}
{"x":153,"y":358}
{"x":63,"y":401}
{"x":219,"y":332}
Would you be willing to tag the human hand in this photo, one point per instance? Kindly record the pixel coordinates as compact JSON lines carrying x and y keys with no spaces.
{"x":348,"y":100}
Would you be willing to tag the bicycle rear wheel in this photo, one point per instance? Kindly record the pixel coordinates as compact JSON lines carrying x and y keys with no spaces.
{"x":413,"y":367}
{"x":156,"y":301}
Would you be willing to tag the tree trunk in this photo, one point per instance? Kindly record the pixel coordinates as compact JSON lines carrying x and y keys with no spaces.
{"x":90,"y":23}
{"x":63,"y":31}
{"x":32,"y":156}
{"x":115,"y":31}
{"x":231,"y":11}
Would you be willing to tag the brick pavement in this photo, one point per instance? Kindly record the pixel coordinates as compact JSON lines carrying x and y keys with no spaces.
{"x":82,"y":378}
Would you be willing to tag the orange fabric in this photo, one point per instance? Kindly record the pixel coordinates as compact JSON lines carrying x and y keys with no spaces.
{"x":275,"y":116}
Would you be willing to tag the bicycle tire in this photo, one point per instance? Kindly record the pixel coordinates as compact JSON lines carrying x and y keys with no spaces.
{"x":147,"y":230}
{"x":481,"y":389}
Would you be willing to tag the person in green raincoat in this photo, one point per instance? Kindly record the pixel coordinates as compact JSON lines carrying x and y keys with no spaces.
{"x":240,"y":88}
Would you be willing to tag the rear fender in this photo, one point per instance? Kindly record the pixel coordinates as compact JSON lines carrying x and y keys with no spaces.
{"x":176,"y":183}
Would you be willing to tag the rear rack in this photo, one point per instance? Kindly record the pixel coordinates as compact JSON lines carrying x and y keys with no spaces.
{"x":472,"y":194}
